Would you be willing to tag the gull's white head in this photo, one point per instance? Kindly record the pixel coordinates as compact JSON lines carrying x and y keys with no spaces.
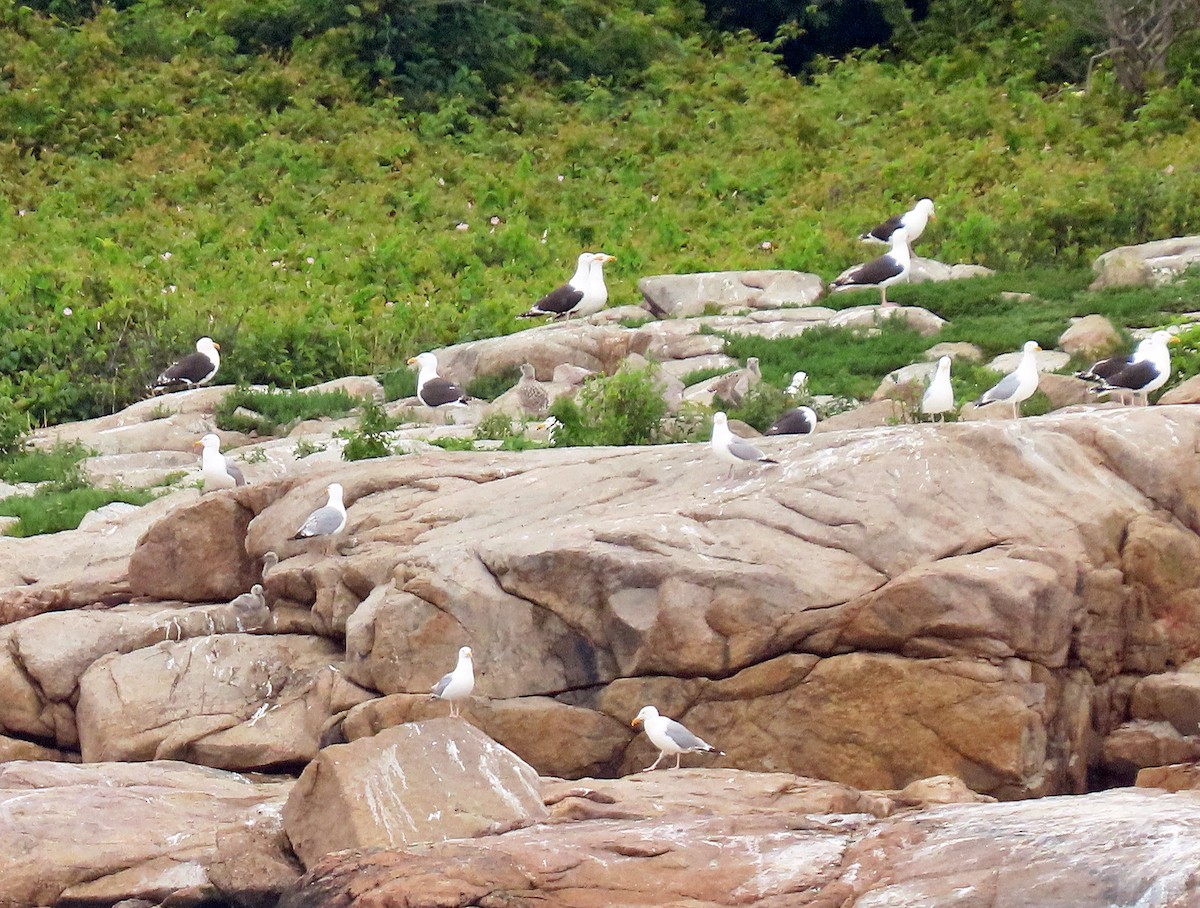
{"x":207,"y":345}
{"x":465,"y":654}
{"x":1030,"y":348}
{"x":335,"y":492}
{"x":926,"y":205}
{"x":210,"y":442}
{"x":646,"y":712}
{"x":943,"y":365}
{"x":900,"y":238}
{"x":424,"y":361}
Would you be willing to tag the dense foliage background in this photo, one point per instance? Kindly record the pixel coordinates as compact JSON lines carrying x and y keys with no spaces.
{"x":328,"y":187}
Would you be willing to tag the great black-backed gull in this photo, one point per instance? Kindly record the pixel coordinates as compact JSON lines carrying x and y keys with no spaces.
{"x":217,"y":470}
{"x":914,"y":221}
{"x":1139,"y":374}
{"x":731,"y":449}
{"x":195,"y":369}
{"x":584,"y":294}
{"x":670,"y":737}
{"x":458,"y":684}
{"x":433,"y":390}
{"x":938,"y":399}
{"x":797,"y":421}
{"x":890,"y":268}
{"x":1018,"y":386}
{"x":328,"y":520}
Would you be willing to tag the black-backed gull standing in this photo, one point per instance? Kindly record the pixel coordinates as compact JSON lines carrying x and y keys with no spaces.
{"x":890,"y":268}
{"x":914,"y":221}
{"x":1140,"y":374}
{"x":433,"y":390}
{"x":195,"y":369}
{"x":584,"y":294}
{"x":797,"y":421}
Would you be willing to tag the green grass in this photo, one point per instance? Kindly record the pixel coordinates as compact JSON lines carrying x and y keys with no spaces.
{"x":60,"y":464}
{"x":279,"y":410}
{"x":698,"y":375}
{"x":398,"y":383}
{"x":489,"y":387}
{"x":52,"y":508}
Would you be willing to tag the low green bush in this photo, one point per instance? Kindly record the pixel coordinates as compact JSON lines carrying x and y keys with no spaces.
{"x":60,"y":463}
{"x":371,"y":439}
{"x":626,"y":408}
{"x":53,"y":507}
{"x":277,"y":410}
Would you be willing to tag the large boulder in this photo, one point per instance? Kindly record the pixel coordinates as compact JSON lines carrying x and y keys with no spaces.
{"x":1146,"y":264}
{"x":232,"y":701}
{"x":683,"y":295}
{"x":99,"y":834}
{"x":425,"y":782}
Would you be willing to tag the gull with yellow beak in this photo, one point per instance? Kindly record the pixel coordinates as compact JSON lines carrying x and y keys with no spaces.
{"x":1018,"y":386}
{"x":669,"y":737}
{"x":192,"y":371}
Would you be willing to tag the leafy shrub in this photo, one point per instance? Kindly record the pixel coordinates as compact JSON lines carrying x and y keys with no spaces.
{"x":760,"y":407}
{"x":626,"y":408}
{"x":498,"y":426}
{"x":489,"y":387}
{"x":278,"y":409}
{"x":371,"y":438}
{"x":398,"y":383}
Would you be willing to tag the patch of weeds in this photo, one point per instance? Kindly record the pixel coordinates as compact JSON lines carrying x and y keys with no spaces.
{"x":258,"y":455}
{"x":489,"y":387}
{"x":634,"y":323}
{"x":453,"y":443}
{"x":398,"y":383}
{"x":273,"y":410}
{"x":160,"y":411}
{"x":497,"y":426}
{"x":61,"y":464}
{"x":370,"y":439}
{"x":55,"y":507}
{"x":623,"y":409}
{"x":305,"y":448}
{"x":698,"y":375}
{"x":760,"y":407}
{"x":169,"y":480}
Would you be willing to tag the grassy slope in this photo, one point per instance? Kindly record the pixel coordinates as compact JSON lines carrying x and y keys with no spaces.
{"x":161,"y":188}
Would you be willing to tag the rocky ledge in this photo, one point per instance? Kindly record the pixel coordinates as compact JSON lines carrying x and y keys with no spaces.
{"x":1009,"y":603}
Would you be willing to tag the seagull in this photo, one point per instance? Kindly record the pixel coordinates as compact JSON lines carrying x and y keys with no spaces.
{"x":458,"y":684}
{"x":913,"y":220}
{"x":939,"y":396}
{"x":799,"y":384}
{"x":269,"y":561}
{"x":584,"y":294}
{"x":670,"y":737}
{"x":531,"y":394}
{"x":217,"y":470}
{"x":733,"y":387}
{"x":1018,"y":386}
{"x":1141,"y":373}
{"x":890,"y":268}
{"x":432,"y":390}
{"x":251,"y":609}
{"x":193,"y":370}
{"x":797,"y":421}
{"x":730,"y":448}
{"x":328,"y":520}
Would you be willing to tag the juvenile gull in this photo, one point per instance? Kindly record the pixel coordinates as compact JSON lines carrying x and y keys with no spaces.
{"x":328,"y":520}
{"x":251,"y":609}
{"x":217,"y":470}
{"x":433,"y":390}
{"x":890,"y":268}
{"x":195,"y":369}
{"x":913,"y":220}
{"x":531,"y":394}
{"x":797,"y":421}
{"x":584,"y":294}
{"x":1018,"y":386}
{"x":670,"y":737}
{"x":734,"y":386}
{"x":458,"y":684}
{"x":730,"y":448}
{"x":939,"y":396}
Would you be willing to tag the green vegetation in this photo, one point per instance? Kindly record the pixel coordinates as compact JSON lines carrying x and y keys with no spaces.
{"x":622,"y":409}
{"x":328,"y":189}
{"x":489,"y":387}
{"x":60,"y":464}
{"x":371,"y":438}
{"x":273,"y":411}
{"x":54,"y":507}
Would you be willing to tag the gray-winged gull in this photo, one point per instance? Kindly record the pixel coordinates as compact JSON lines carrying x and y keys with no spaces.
{"x":195,"y":369}
{"x":670,"y":737}
{"x":584,"y":294}
{"x":458,"y":684}
{"x":890,"y":268}
{"x":325,"y":521}
{"x":730,"y":448}
{"x":1018,"y":386}
{"x":938,"y":398}
{"x":1139,"y":374}
{"x":796,"y":421}
{"x":217,"y":470}
{"x":251,"y":609}
{"x":913,"y":221}
{"x":531,"y":393}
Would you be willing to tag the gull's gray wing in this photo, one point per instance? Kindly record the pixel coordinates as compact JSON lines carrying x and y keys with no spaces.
{"x":743,"y":450}
{"x":440,"y":687}
{"x":1005,"y":388}
{"x":321,"y":522}
{"x":684,"y":739}
{"x":232,"y":469}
